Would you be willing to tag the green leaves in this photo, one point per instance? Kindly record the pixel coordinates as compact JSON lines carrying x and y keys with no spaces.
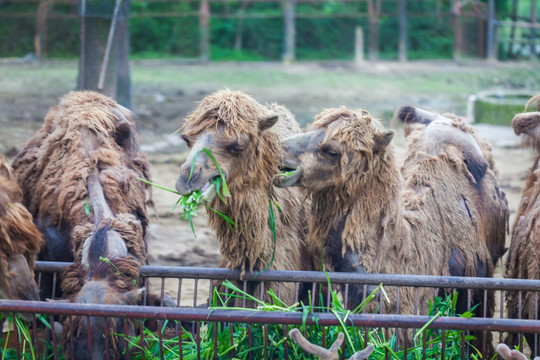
{"x":86,"y":207}
{"x":226,"y":191}
{"x":189,"y":204}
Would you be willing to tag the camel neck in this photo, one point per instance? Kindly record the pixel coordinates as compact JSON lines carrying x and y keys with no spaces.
{"x":370,"y":213}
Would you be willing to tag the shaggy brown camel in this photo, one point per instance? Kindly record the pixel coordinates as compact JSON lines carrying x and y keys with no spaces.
{"x":523,"y":260}
{"x":79,"y":174}
{"x":244,"y":137}
{"x":20,"y":241}
{"x":367,"y":216}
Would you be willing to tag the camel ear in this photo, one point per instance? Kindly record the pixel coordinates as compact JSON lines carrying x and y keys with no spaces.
{"x":267,"y":122}
{"x":4,"y":169}
{"x":382,"y":139}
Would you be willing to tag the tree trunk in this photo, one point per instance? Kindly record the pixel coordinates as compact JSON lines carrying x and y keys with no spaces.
{"x":513,"y":29}
{"x":533,"y":30}
{"x":458,"y":36}
{"x":374,"y":8}
{"x":96,"y":20}
{"x":40,"y":38}
{"x":204,"y":28}
{"x":491,"y":41}
{"x":402,"y":31}
{"x":240,"y":26}
{"x":289,"y":30}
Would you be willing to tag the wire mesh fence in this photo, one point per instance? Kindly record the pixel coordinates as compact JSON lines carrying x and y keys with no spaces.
{"x":202,"y":325}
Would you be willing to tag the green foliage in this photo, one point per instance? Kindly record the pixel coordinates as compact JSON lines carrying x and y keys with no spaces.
{"x":217,"y":337}
{"x":429,"y":36}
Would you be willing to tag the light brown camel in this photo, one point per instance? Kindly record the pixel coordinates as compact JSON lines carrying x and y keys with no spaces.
{"x":20,"y":241}
{"x":79,"y":175}
{"x":523,"y":260}
{"x":244,"y":137}
{"x":367,"y":216}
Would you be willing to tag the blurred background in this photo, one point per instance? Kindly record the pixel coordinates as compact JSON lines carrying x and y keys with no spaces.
{"x":474,"y":58}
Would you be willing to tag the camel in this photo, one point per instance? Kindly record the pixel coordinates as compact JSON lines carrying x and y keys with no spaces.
{"x":244,"y":137}
{"x":79,"y":175}
{"x":20,"y":241}
{"x":369,"y":217}
{"x":523,"y":261}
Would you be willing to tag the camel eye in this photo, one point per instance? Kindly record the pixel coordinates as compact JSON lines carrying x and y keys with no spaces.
{"x":330,"y":153}
{"x":235,"y":148}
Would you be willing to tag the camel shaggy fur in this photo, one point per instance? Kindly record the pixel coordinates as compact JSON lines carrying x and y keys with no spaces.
{"x":244,"y":137}
{"x":20,"y":240}
{"x":369,"y":217}
{"x":80,"y":174}
{"x":523,"y":260}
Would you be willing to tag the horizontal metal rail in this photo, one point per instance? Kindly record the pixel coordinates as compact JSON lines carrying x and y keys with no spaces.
{"x":267,"y":317}
{"x":451,"y":282}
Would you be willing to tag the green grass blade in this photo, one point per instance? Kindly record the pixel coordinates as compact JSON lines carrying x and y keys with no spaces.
{"x":229,"y":221}
{"x":218,"y":189}
{"x":158,"y":186}
{"x":272,"y":223}
{"x":193,"y":164}
{"x":226,"y":191}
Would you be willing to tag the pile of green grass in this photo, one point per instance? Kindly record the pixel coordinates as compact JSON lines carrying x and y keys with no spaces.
{"x":384,"y":341}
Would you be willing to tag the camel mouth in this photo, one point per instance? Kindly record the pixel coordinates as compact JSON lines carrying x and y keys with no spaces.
{"x":289,"y":176}
{"x":209,"y":191}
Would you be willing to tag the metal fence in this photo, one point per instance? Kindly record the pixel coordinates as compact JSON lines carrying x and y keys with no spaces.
{"x":191,"y":325}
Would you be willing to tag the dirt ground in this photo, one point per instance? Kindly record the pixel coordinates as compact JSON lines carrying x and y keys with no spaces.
{"x":162,"y":108}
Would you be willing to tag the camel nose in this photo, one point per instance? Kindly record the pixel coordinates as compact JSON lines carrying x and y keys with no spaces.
{"x":189,"y":174}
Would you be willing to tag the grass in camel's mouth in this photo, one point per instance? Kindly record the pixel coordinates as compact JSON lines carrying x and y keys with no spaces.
{"x":189,"y":204}
{"x":286,"y":171}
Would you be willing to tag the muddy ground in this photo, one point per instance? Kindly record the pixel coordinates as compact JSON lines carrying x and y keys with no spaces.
{"x":164,"y":93}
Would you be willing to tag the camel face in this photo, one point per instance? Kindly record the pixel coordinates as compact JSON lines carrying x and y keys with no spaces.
{"x":527,"y":122}
{"x":100,"y":292}
{"x":315,"y":161}
{"x":528,"y":125}
{"x":233,"y":152}
{"x":341,"y":144}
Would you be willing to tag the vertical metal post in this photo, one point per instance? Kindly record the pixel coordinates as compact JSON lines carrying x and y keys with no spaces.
{"x":491,"y":45}
{"x":290,"y":31}
{"x":402,"y":31}
{"x":359,"y":46}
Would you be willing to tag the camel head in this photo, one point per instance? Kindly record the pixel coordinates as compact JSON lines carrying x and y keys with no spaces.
{"x":234,"y":129}
{"x":527,"y":124}
{"x":339,"y":148}
{"x":111,"y":282}
{"x":436,"y":134}
{"x":20,"y":241}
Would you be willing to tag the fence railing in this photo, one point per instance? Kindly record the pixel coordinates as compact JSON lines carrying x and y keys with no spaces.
{"x":189,"y":323}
